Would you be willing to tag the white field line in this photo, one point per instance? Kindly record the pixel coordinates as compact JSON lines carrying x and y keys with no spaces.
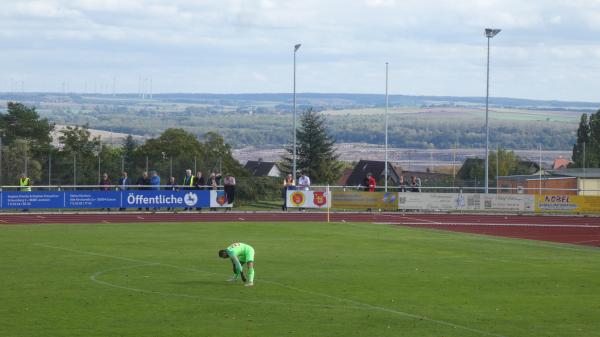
{"x":358,"y":305}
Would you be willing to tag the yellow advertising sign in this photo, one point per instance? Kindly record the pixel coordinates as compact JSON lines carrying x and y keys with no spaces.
{"x":567,"y":203}
{"x":363,"y":200}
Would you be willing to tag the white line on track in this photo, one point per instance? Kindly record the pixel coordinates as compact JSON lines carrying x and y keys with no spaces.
{"x":357,"y":304}
{"x":423,"y":220}
{"x":491,"y":224}
{"x":242,"y":219}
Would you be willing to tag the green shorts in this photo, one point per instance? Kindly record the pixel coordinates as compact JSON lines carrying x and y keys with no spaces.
{"x":249,"y":256}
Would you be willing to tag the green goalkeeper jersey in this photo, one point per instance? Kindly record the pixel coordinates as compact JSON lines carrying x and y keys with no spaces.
{"x":240,"y":253}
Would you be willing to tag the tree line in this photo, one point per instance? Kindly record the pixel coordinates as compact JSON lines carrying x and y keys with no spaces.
{"x":586,"y":150}
{"x":80,"y":158}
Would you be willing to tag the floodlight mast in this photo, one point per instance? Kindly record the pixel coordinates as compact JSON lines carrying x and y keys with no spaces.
{"x":489,"y":33}
{"x":296,"y":47}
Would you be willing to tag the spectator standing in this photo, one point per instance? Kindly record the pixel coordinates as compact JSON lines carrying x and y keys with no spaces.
{"x":415,"y":184}
{"x":172,"y":187}
{"x":365,"y":183}
{"x":123,"y":183}
{"x":155,"y":184}
{"x":288,"y":184}
{"x":143,"y":182}
{"x":214,"y":183}
{"x":304,"y":182}
{"x":105,"y":185}
{"x":402,"y":185}
{"x":199,"y":184}
{"x":155,"y":181}
{"x":371,"y":182}
{"x":24,"y":186}
{"x":229,"y":186}
{"x":188,"y":183}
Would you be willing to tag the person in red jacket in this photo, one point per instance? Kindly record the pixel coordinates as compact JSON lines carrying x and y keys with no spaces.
{"x":372,"y":182}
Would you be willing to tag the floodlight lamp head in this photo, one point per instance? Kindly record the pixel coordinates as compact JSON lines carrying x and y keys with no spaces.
{"x":296,"y":47}
{"x":491,"y":32}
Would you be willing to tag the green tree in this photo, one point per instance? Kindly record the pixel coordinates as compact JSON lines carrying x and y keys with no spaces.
{"x":128,"y":151}
{"x":586,"y":150}
{"x":81,"y":149}
{"x":316,"y":154}
{"x":22,"y":122}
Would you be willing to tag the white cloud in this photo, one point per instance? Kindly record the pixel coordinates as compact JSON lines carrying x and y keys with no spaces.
{"x":434,"y":46}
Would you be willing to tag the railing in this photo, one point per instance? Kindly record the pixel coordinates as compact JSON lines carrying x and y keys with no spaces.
{"x":430,"y":198}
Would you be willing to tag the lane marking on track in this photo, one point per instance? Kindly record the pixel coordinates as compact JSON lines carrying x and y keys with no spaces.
{"x":423,"y":220}
{"x":4,"y":221}
{"x":106,"y":221}
{"x":40,"y":217}
{"x":358,"y":304}
{"x":242,"y":219}
{"x":500,"y":224}
{"x":139,"y":217}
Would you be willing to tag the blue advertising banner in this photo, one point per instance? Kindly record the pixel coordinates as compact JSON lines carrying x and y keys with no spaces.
{"x":92,"y":199}
{"x":108,"y":199}
{"x":41,"y":199}
{"x":157,"y":199}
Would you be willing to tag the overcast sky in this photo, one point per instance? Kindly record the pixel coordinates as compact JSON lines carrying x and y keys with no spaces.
{"x":547,"y":49}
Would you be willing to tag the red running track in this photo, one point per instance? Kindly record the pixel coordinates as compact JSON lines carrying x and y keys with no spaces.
{"x":579,"y":230}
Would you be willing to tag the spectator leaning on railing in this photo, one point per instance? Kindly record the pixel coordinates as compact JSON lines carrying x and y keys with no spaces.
{"x":371,"y":182}
{"x":402,"y":185}
{"x":304,"y":182}
{"x":229,"y":186}
{"x":415,"y":184}
{"x":24,"y":186}
{"x":142,"y":184}
{"x":288,"y":184}
{"x":123,"y":183}
{"x":200,"y":184}
{"x":188,"y":184}
{"x":105,"y":185}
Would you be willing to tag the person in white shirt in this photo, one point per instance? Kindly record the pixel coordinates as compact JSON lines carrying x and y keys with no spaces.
{"x":304,"y":182}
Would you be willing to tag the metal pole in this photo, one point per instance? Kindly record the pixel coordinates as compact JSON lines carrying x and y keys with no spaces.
{"x":99,"y":176}
{"x":171,"y":169}
{"x":1,"y":180}
{"x":195,"y":166}
{"x":540,"y":169}
{"x":386,"y":126}
{"x":584,"y":173}
{"x":146,"y":163}
{"x":122,"y":164}
{"x":49,"y":168}
{"x":74,"y":169}
{"x":497,"y":165}
{"x":487,"y":127}
{"x":294,"y":100}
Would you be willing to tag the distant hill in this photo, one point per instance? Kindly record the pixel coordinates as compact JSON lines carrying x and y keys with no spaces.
{"x":342,"y":100}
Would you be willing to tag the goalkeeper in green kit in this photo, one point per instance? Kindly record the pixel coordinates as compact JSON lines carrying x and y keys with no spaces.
{"x":240,"y":253}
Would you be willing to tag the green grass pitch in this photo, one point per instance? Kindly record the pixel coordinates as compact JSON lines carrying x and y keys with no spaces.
{"x":312,"y":279}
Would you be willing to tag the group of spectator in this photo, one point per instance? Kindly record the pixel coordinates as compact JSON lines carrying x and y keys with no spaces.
{"x":290,"y":184}
{"x":152,"y":181}
{"x":413,"y":186}
{"x":369,"y":184}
